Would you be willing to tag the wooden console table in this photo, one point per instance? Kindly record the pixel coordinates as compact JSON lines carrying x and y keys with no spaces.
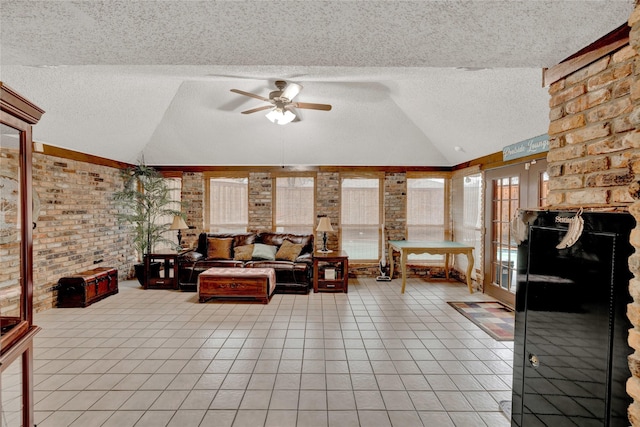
{"x":446,"y":248}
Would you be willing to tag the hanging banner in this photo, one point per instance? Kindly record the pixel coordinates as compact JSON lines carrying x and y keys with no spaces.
{"x":530,"y":146}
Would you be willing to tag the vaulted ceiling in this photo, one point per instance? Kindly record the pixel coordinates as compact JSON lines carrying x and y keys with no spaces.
{"x":433,"y":83}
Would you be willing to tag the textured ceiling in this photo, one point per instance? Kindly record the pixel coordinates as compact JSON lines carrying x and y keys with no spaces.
{"x":430,"y":83}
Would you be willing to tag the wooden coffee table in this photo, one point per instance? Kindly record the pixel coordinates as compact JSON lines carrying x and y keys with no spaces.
{"x":237,"y":284}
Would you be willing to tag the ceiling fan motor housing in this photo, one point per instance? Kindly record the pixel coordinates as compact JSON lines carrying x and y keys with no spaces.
{"x":281,"y":100}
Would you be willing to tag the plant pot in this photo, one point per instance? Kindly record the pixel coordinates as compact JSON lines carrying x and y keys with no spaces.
{"x":154,"y":270}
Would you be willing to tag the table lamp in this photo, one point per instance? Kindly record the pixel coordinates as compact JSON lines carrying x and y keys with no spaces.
{"x":324,"y":225}
{"x":179,"y":224}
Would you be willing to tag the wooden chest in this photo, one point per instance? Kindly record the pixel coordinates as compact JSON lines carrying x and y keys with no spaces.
{"x":237,"y":284}
{"x":85,"y":288}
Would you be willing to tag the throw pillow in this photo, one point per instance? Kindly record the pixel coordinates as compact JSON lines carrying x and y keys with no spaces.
{"x":243,"y":253}
{"x":219,"y":248}
{"x":288,"y":251}
{"x":262,"y":251}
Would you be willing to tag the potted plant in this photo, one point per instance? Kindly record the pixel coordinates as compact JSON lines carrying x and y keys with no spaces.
{"x":147,"y":208}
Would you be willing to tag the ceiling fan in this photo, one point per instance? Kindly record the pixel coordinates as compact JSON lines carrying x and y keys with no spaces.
{"x":281,"y":103}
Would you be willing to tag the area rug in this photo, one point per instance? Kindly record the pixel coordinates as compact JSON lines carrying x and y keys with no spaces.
{"x":493,"y":317}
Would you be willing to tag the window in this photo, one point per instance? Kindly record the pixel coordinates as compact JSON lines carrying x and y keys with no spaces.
{"x":506,"y":201}
{"x":466,"y":195}
{"x":175,"y":194}
{"x":227,"y":204}
{"x":360,"y":218}
{"x":544,"y":189}
{"x":426,"y":212}
{"x":294,"y":205}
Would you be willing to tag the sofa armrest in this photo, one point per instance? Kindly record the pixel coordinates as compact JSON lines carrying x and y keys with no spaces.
{"x":305,"y":257}
{"x":192,"y":256}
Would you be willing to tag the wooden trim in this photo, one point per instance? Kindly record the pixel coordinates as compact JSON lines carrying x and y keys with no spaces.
{"x":226,"y":174}
{"x":12,"y":336}
{"x":296,"y":174}
{"x":364,"y":174}
{"x":301,"y":169}
{"x":64,"y":153}
{"x":466,"y":171}
{"x":495,"y":160}
{"x":490,"y":161}
{"x":417,"y":175}
{"x":596,"y":50}
{"x":19,"y":106}
{"x":20,"y":346}
{"x":172,"y":174}
{"x":448,"y":213}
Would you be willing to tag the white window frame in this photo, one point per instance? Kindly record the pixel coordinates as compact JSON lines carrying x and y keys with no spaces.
{"x":345,"y":227}
{"x":294,"y":228}
{"x":175,"y":193}
{"x":444,"y":226}
{"x":242,"y":207}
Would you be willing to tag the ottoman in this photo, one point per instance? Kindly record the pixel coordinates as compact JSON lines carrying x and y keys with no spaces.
{"x":237,"y":284}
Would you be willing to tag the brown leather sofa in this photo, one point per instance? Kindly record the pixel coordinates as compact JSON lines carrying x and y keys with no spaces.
{"x":294,"y":271}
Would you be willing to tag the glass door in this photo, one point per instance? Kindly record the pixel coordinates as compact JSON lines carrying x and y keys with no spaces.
{"x":507,"y":190}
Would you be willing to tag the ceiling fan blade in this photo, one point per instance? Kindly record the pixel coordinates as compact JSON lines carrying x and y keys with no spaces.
{"x":311,"y":106}
{"x":255,"y":110}
{"x":291,"y":91}
{"x":252,"y":95}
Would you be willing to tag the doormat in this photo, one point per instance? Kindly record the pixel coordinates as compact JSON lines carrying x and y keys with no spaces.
{"x":493,"y":317}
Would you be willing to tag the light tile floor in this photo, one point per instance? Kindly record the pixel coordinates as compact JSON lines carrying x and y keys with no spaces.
{"x":372,"y":357}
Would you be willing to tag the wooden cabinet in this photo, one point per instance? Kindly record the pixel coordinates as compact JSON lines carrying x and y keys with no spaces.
{"x":17,"y":115}
{"x":87,"y":287}
{"x":331,"y":272}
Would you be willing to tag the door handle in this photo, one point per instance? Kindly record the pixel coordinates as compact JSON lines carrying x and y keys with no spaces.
{"x":533,"y":360}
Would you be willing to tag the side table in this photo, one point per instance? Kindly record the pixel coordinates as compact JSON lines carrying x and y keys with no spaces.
{"x":168,"y":273}
{"x":331,"y":272}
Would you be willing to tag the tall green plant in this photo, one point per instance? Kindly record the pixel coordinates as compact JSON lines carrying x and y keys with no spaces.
{"x":145,"y":201}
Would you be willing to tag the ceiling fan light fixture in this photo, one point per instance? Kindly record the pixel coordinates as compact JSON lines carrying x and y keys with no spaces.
{"x":280,"y":116}
{"x":290,"y":91}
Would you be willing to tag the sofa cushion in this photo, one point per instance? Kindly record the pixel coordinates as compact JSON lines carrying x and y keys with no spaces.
{"x":239,"y":239}
{"x":262,"y":251}
{"x":219,"y":248}
{"x":277,"y":239}
{"x":243,"y":253}
{"x":288,"y":251}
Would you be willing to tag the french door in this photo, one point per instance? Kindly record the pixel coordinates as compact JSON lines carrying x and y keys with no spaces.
{"x":508,"y":189}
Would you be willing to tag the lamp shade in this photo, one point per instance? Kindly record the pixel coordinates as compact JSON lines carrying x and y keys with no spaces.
{"x":280,"y":116}
{"x":178,"y":223}
{"x":324,"y":224}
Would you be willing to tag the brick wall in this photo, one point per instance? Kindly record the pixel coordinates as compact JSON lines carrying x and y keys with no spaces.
{"x":592,"y":138}
{"x":77,"y":227}
{"x":632,"y":140}
{"x":328,"y":204}
{"x":193,"y":199}
{"x":260,"y":201}
{"x":395,"y":205}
